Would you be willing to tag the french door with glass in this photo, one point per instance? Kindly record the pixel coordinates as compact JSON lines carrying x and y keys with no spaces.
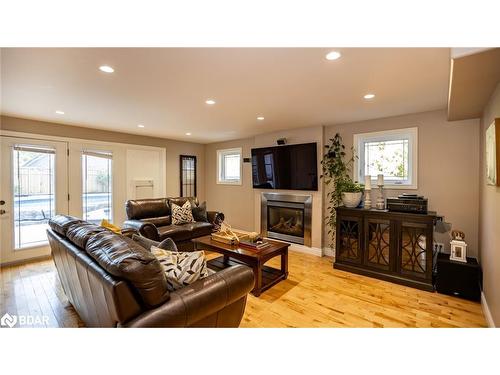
{"x":33,"y":188}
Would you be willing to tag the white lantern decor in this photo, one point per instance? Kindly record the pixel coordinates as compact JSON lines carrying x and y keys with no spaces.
{"x":458,"y":247}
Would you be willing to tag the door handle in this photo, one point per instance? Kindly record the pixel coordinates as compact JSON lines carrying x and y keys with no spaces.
{"x":2,"y":202}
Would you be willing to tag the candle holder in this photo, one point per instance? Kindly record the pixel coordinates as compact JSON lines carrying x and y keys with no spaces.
{"x":380,"y":205}
{"x":368,"y":200}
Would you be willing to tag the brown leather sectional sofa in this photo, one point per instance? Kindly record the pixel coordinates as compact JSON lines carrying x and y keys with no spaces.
{"x":152,"y":219}
{"x":113,"y":282}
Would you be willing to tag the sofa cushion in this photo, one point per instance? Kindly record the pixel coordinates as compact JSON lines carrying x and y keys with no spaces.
{"x":146,"y":208}
{"x":199,"y":228}
{"x":80,"y":233}
{"x":175,"y":232}
{"x":61,"y":223}
{"x":123,"y":258}
{"x":159,"y":221}
{"x":182,"y":215}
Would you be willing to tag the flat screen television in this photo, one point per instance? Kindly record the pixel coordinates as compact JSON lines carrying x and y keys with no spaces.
{"x":290,"y":167}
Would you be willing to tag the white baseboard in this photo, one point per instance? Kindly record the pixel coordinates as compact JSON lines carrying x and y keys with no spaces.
{"x":306,"y":250}
{"x":329,"y":252}
{"x":486,"y":311}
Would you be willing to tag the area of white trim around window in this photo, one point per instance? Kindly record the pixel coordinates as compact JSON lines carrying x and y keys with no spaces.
{"x":220,"y":166}
{"x":409,"y":133}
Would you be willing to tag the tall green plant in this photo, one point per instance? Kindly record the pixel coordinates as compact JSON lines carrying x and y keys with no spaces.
{"x":337,"y":168}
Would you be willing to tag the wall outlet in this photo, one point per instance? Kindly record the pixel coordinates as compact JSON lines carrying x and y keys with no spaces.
{"x":438,"y":247}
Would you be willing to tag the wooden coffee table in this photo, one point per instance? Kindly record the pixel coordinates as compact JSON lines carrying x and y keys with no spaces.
{"x":265,"y":276}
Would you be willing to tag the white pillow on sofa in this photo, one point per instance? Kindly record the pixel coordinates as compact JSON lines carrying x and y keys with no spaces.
{"x":182,"y":215}
{"x":182,"y":268}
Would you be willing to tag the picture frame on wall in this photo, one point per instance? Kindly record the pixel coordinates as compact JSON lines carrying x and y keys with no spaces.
{"x":493,"y":153}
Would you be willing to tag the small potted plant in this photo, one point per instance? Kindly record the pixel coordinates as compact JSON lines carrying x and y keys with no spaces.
{"x":352,"y":193}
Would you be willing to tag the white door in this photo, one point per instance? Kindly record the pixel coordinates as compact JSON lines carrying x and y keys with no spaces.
{"x":33,"y":187}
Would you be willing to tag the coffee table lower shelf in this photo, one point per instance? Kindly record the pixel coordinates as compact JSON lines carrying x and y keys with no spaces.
{"x":270,"y":275}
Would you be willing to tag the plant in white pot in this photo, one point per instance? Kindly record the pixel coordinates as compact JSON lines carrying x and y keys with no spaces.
{"x":352,"y":193}
{"x":337,"y":168}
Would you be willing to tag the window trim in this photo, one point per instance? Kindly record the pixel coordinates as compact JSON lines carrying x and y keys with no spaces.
{"x":358,"y":168}
{"x":220,"y":154}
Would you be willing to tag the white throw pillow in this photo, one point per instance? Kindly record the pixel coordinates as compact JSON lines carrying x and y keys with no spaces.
{"x":182,"y":215}
{"x":182,"y":268}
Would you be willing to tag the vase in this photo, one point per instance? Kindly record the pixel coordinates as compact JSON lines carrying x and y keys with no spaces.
{"x":351,"y":200}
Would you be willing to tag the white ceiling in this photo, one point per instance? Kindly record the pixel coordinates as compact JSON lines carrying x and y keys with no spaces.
{"x":165,"y":88}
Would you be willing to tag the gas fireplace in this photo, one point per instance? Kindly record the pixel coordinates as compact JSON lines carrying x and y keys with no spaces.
{"x":286,"y":217}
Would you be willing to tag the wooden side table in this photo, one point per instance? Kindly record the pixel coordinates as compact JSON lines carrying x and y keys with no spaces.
{"x":459,"y":279}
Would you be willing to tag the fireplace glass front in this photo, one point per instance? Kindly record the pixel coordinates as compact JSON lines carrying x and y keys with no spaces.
{"x":286,"y":221}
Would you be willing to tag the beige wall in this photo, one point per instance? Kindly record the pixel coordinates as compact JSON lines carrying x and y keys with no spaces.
{"x":489,"y":235}
{"x":448,"y":168}
{"x":236,"y":201}
{"x":174,"y":148}
{"x":241,"y":204}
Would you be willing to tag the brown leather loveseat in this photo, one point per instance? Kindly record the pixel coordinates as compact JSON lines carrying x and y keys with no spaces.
{"x":113,"y":282}
{"x":152,"y":218}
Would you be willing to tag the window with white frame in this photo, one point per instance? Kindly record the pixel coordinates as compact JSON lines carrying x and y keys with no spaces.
{"x":392,"y":153}
{"x":229,"y":166}
{"x":97,"y":187}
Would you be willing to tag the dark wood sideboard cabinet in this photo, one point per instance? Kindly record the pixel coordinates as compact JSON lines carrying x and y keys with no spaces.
{"x":391,"y":246}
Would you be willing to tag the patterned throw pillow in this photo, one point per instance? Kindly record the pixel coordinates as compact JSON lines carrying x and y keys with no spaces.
{"x":182,"y":268}
{"x":182,"y":215}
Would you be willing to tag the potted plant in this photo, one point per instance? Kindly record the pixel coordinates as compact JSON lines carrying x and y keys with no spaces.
{"x":337,"y":169}
{"x":352,"y":192}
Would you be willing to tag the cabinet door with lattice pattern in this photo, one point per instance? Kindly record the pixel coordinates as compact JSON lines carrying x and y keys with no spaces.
{"x":349,"y":233}
{"x":378,"y":235}
{"x":415,"y":250}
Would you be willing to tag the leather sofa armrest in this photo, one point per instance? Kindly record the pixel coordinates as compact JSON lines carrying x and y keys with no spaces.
{"x":148,"y":230}
{"x":215,"y":217}
{"x":199,"y":300}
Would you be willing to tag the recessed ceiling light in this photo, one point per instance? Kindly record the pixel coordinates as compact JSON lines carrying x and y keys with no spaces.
{"x":260,"y":118}
{"x":106,"y":69}
{"x":210,"y":101}
{"x":60,"y":112}
{"x":369,"y":96}
{"x":188,"y":133}
{"x":140,"y":126}
{"x":334,"y":55}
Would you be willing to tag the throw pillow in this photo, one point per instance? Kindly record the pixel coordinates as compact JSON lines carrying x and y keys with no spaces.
{"x":182,"y":268}
{"x":113,"y":228}
{"x":166,"y":244}
{"x":200,"y":212}
{"x":182,"y":215}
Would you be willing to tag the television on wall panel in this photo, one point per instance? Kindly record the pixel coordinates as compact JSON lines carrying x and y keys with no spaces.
{"x":290,"y":167}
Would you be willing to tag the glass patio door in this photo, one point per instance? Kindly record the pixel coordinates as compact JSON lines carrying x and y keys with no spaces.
{"x":33,"y":189}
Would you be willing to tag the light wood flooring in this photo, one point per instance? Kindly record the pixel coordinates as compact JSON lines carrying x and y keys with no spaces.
{"x":314,"y":295}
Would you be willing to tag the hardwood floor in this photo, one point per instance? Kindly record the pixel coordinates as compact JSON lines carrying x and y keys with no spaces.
{"x":314,"y":295}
